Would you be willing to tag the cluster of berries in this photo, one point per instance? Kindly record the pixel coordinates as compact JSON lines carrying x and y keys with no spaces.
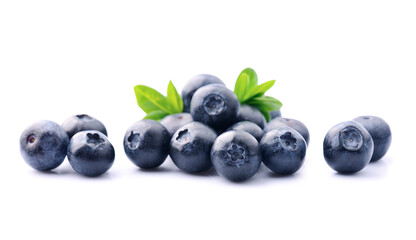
{"x":45,"y":144}
{"x":350,"y":146}
{"x":214,"y":128}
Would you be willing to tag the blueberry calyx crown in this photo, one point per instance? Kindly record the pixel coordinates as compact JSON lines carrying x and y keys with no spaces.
{"x":183,"y":136}
{"x":83,"y":116}
{"x":288,"y":142}
{"x":236,"y":152}
{"x":351,"y":138}
{"x":214,"y":104}
{"x":31,"y":138}
{"x":133,"y":140}
{"x":94,"y":139}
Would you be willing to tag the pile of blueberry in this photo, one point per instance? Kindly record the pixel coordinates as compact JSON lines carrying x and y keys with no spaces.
{"x":212,"y":127}
{"x":216,"y":130}
{"x":45,"y":144}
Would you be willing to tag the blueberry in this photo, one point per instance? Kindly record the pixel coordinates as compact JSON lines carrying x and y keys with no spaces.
{"x":275,"y":114}
{"x":90,"y":153}
{"x":293,"y":123}
{"x":249,"y":113}
{"x":348,"y":147}
{"x":190,"y":147}
{"x":236,"y":155}
{"x":215,"y":106}
{"x":283,"y":150}
{"x":82,"y":122}
{"x":380,"y":132}
{"x":249,"y":127}
{"x":146,"y":143}
{"x":43,"y":145}
{"x":194,"y":84}
{"x":175,"y":121}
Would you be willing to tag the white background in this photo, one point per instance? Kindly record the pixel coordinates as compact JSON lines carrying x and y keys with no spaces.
{"x":333,"y":61}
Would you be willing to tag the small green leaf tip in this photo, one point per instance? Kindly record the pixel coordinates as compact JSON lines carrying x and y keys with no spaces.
{"x":249,"y":92}
{"x":174,"y":98}
{"x":155,"y":105}
{"x":151,"y":100}
{"x":260,"y":90}
{"x":246,"y":81}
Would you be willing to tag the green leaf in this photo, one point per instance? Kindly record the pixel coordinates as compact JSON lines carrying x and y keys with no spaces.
{"x":151,"y":100}
{"x":260,"y":90}
{"x":174,"y":98}
{"x":156,"y":115}
{"x":240,"y":87}
{"x":265,"y":104}
{"x":245,"y":82}
{"x":252,"y":76}
{"x":249,"y":92}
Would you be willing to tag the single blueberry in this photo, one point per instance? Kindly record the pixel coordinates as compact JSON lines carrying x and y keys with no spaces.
{"x":236,"y":155}
{"x":283,"y":150}
{"x":249,"y":113}
{"x":194,"y":84}
{"x":249,"y":127}
{"x":146,"y":143}
{"x":216,"y":106}
{"x":293,"y":123}
{"x":190,"y":147}
{"x":175,"y":121}
{"x":380,"y":132}
{"x":348,"y":147}
{"x":90,"y":153}
{"x":82,"y":122}
{"x":43,"y":145}
{"x":275,"y":114}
